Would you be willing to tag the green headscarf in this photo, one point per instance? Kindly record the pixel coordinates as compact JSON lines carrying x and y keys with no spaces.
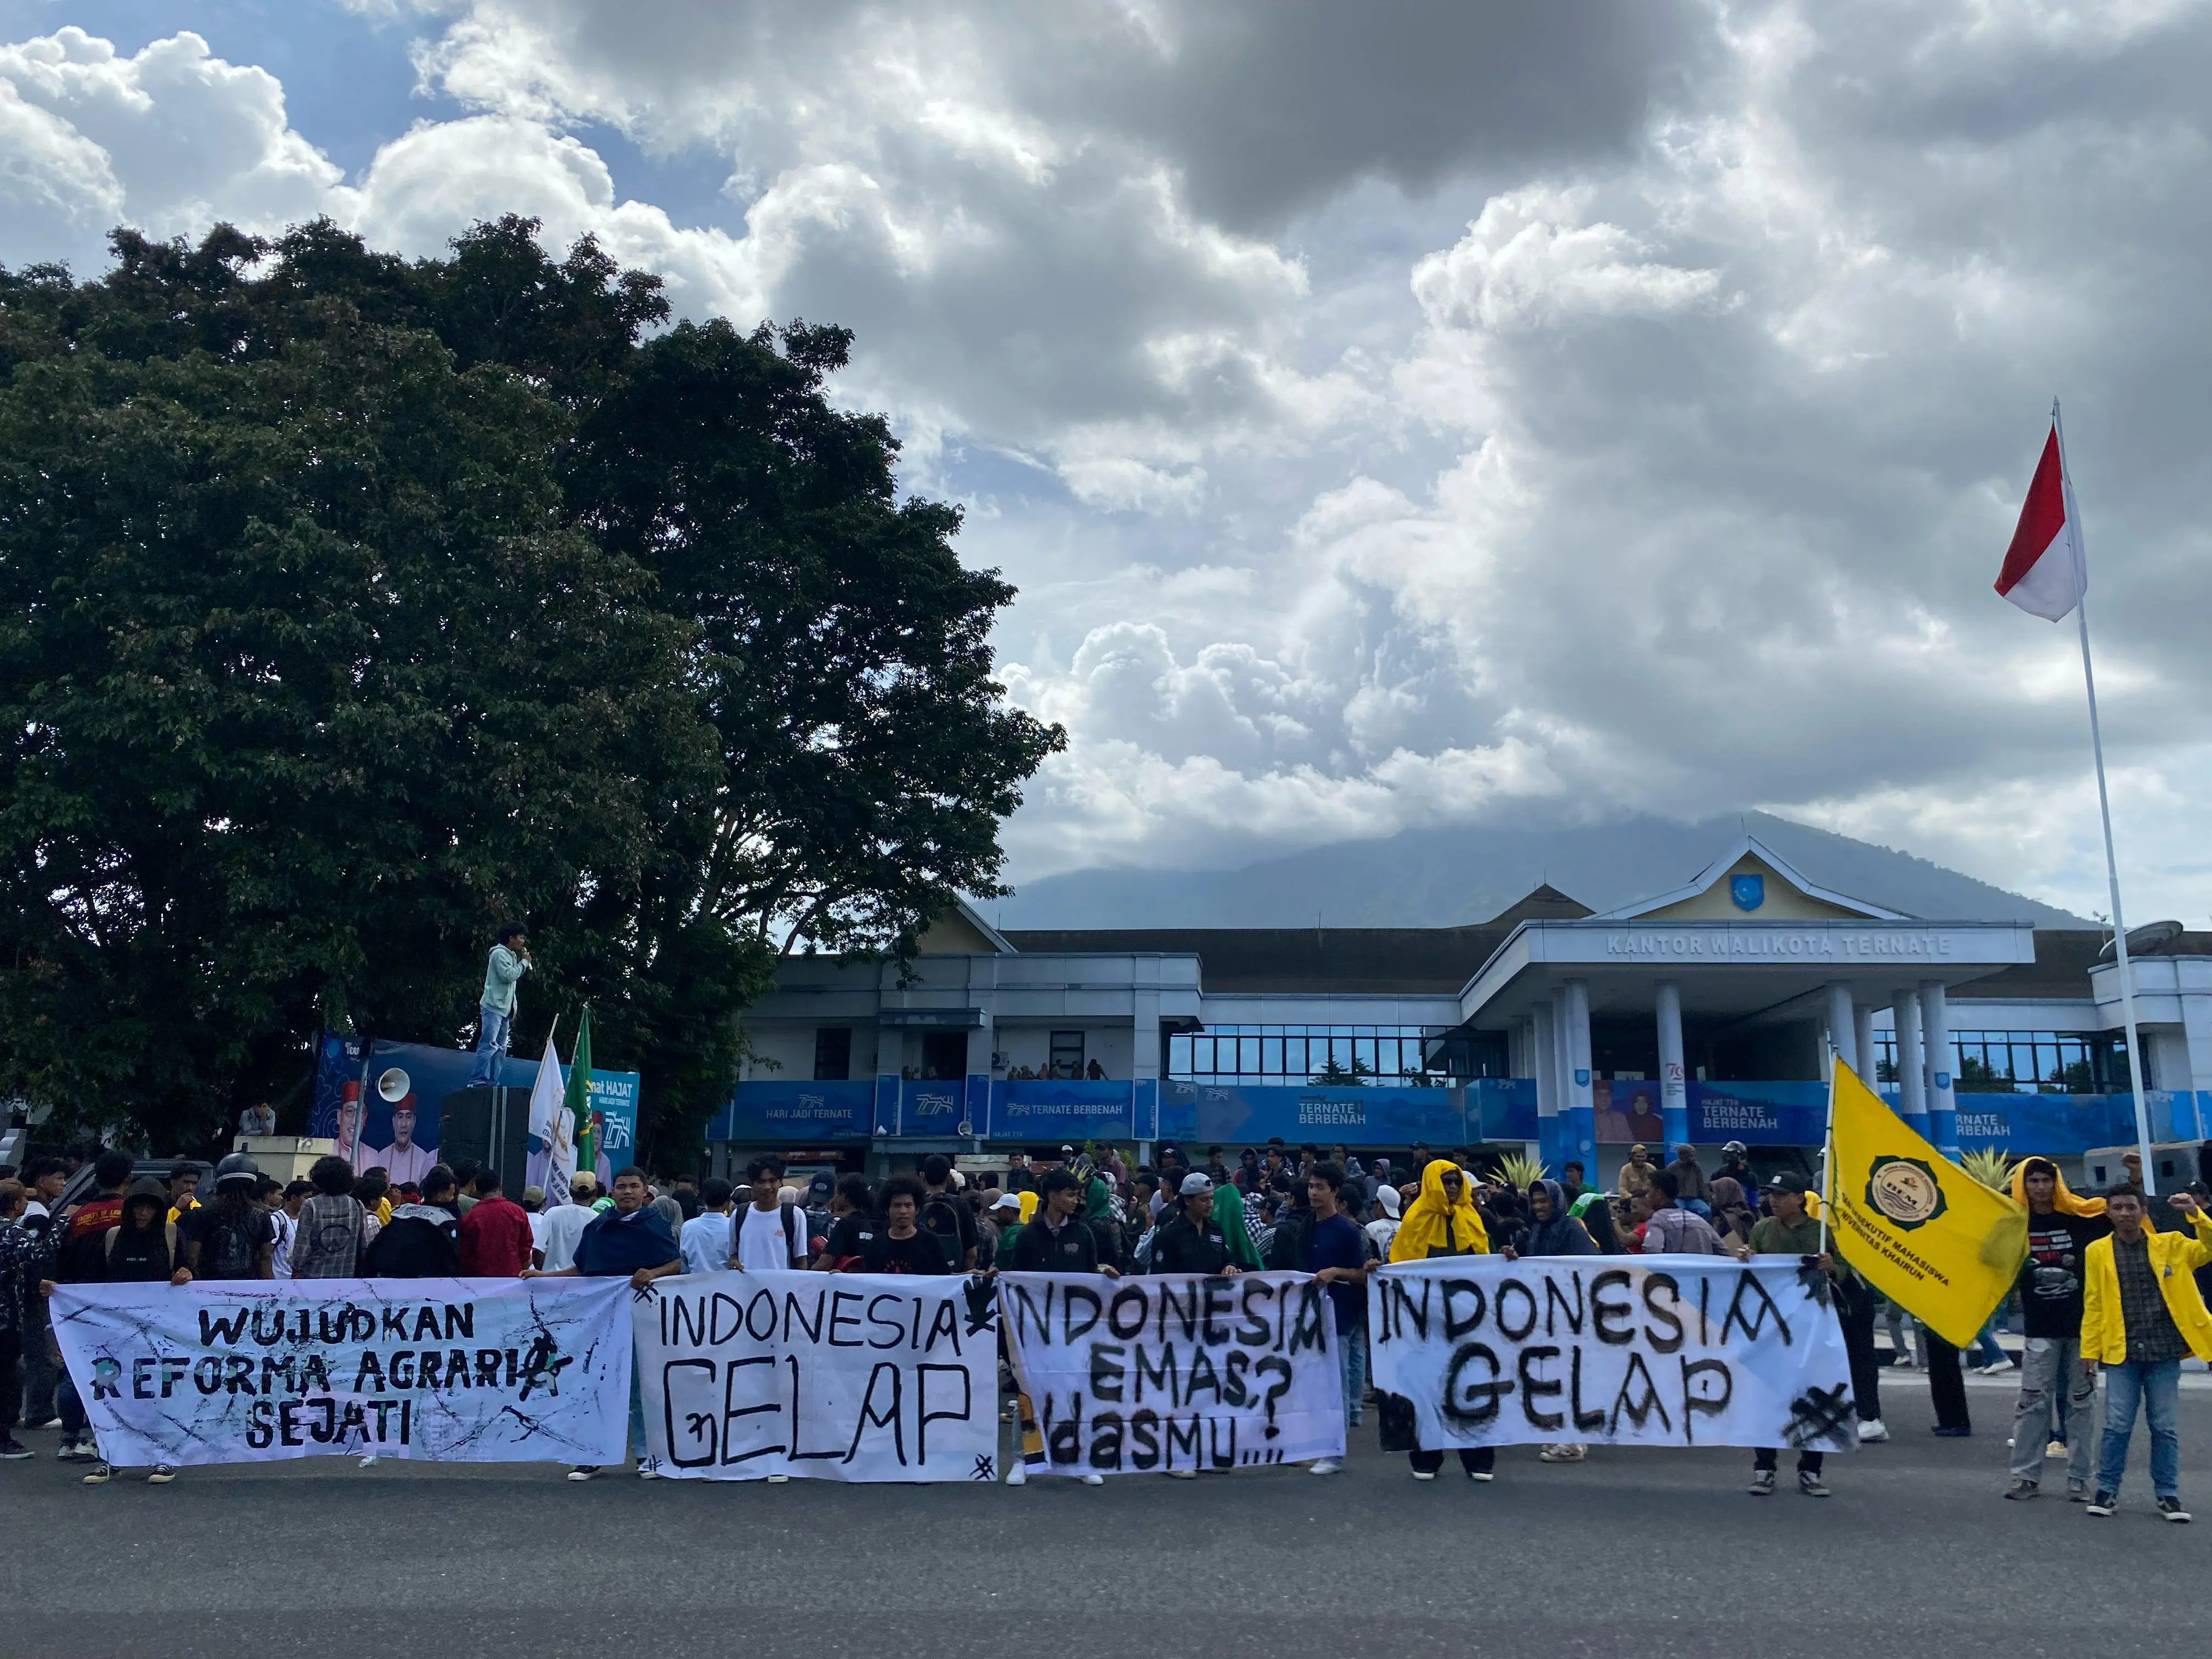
{"x":1097,"y":1198}
{"x":1229,"y":1211}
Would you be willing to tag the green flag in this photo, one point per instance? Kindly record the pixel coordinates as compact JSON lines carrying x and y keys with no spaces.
{"x":578,"y":1100}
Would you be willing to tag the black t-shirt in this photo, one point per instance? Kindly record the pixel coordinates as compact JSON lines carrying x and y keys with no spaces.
{"x":952,"y":1220}
{"x":849,"y":1235}
{"x":2051,"y":1278}
{"x":230,"y":1246}
{"x":921,"y":1253}
{"x":1183,"y":1248}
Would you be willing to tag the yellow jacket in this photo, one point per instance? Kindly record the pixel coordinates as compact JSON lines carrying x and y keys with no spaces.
{"x":2174,"y":1257}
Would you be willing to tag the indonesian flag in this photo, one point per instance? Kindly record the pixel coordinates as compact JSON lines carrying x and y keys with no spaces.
{"x":2044,"y":574}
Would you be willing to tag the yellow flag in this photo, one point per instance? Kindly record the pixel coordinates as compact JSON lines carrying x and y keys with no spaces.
{"x":1917,"y":1228}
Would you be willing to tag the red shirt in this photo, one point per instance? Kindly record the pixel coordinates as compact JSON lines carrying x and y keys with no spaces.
{"x":494,"y":1239}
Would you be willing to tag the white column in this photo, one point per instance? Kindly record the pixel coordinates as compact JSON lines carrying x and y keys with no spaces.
{"x":1560,"y":1061}
{"x":1911,"y":1081}
{"x":1843,"y":1025}
{"x":1863,"y":1039}
{"x":1673,"y":1074}
{"x":1144,"y":1044}
{"x":1580,"y":1100}
{"x":1544,"y":1051}
{"x":1936,"y":1040}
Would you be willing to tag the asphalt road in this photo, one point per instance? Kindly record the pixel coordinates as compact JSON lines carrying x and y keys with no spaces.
{"x":1634,"y":1553}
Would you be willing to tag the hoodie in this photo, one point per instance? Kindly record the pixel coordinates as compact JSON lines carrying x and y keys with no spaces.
{"x":1560,"y":1234}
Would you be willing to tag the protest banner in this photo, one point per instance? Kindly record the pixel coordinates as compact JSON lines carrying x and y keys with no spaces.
{"x":1650,"y":1350}
{"x":1174,"y":1371}
{"x":487,"y":1370}
{"x":832,"y":1377}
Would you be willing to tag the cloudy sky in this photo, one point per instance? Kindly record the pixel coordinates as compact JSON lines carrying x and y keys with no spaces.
{"x":1401,"y":414}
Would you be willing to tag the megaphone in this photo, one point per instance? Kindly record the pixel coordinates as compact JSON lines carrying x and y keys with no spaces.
{"x":393,"y":1085}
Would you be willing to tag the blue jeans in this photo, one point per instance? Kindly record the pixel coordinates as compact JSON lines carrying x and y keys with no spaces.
{"x":636,"y":1412}
{"x":493,"y":1029}
{"x":1987,"y":1349}
{"x":1352,"y":1365}
{"x":2157,"y":1384}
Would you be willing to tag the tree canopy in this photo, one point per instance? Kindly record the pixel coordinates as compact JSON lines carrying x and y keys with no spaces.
{"x":351,"y":606}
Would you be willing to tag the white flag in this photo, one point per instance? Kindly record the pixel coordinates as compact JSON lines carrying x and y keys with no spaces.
{"x":553,"y":1149}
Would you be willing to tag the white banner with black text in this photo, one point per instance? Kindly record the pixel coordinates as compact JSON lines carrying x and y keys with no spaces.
{"x":1629,"y":1351}
{"x":832,"y":1376}
{"x":1175,"y":1371}
{"x":483,"y":1370}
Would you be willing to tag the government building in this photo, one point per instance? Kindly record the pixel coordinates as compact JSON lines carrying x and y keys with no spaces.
{"x":1700,"y":1016}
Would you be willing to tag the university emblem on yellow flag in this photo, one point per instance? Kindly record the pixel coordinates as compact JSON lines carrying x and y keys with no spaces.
{"x":1916,"y":1226}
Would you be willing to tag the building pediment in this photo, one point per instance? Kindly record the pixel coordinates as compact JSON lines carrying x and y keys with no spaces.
{"x":1751,"y":881}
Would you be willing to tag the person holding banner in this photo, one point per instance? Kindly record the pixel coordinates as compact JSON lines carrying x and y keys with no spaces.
{"x":1336,"y":1255}
{"x":1443,"y":1221}
{"x":146,"y":1249}
{"x":1789,"y":1230}
{"x":1552,"y":1231}
{"x":1191,"y":1240}
{"x":1058,"y":1239}
{"x":627,"y":1238}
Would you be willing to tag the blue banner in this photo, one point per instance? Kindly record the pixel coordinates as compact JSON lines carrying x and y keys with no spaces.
{"x":797,"y":1112}
{"x":1784,"y":1113}
{"x":1215,"y":1114}
{"x":1073,"y":1111}
{"x":383,"y":1108}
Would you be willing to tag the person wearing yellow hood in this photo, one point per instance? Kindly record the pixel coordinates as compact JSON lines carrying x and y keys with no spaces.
{"x":2142,"y":1314}
{"x":1443,"y":1221}
{"x":2060,"y":1230}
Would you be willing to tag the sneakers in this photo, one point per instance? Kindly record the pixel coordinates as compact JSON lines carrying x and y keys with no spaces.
{"x":2104,"y":1502}
{"x":2020,"y":1491}
{"x":161,"y":1476}
{"x":1483,"y":1475}
{"x":368,"y":1460}
{"x":1097,"y":1479}
{"x":1810,"y":1485}
{"x":13,"y":1450}
{"x":785,"y":1479}
{"x":2077,"y":1493}
{"x":1182,"y":1474}
{"x":1325,"y":1466}
{"x":645,"y":1474}
{"x":1424,"y":1474}
{"x":2056,"y":1448}
{"x":1565,"y":1452}
{"x":1872,"y":1433}
{"x":1993,"y":1368}
{"x":1762,"y":1483}
{"x":75,"y":1451}
{"x":1017,"y":1473}
{"x":584,"y":1471}
{"x":2170,"y":1509}
{"x":98,"y":1475}
{"x":1954,"y":1431}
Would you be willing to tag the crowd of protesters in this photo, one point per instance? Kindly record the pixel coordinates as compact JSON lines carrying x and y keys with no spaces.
{"x":2109,"y":1283}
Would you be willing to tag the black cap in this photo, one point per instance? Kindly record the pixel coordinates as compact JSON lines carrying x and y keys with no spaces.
{"x":1786,"y":1182}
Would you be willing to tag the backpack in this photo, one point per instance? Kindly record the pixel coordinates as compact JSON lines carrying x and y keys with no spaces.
{"x":1286,"y":1250}
{"x":941,"y":1216}
{"x":226,"y":1251}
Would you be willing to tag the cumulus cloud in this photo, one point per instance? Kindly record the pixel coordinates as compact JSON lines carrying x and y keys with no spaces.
{"x":1401,"y":418}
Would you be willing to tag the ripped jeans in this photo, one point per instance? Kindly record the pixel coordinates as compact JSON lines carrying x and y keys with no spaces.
{"x":2050,"y":1366}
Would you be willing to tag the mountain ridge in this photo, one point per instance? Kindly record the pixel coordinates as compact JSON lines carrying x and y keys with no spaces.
{"x":1456,"y":876}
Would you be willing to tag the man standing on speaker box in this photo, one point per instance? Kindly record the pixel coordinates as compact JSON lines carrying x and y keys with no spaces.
{"x":509,"y":962}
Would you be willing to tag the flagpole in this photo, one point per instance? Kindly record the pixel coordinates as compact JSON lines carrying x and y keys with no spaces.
{"x":2105,"y":810}
{"x":1828,"y":1147}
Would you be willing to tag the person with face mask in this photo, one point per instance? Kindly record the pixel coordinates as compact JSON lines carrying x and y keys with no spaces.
{"x":1443,"y":1221}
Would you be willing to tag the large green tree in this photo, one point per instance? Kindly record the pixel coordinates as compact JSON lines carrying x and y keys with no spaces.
{"x":349,"y":605}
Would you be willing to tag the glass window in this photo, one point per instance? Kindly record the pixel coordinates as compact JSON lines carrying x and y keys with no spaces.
{"x":833,"y":1054}
{"x":1067,"y":1054}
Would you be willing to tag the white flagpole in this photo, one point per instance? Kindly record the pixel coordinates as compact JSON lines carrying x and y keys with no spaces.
{"x":2104,"y":810}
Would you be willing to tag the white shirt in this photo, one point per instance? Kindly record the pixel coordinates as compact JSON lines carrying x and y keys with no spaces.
{"x":537,"y":1230}
{"x":706,"y":1242}
{"x":402,"y":1163}
{"x":280,"y":1262}
{"x":564,"y":1225}
{"x":764,"y":1240}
